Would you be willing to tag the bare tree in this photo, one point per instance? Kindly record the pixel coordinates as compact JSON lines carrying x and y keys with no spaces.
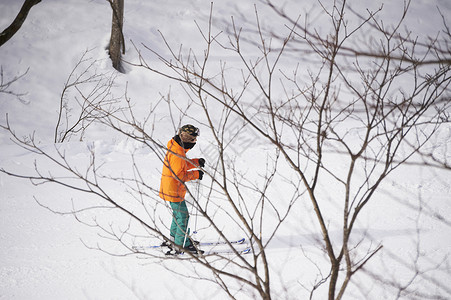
{"x":92,"y":101}
{"x":5,"y":85}
{"x":18,"y":21}
{"x":351,"y":107}
{"x":117,"y":41}
{"x":347,"y":123}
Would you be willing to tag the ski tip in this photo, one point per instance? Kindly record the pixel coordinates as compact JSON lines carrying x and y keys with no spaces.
{"x":241,"y":241}
{"x":247,"y":250}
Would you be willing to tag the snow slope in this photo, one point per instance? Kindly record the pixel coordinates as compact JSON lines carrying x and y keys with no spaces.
{"x":43,"y":255}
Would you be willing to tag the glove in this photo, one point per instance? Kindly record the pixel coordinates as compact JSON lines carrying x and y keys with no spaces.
{"x":201,"y":174}
{"x":201,"y":162}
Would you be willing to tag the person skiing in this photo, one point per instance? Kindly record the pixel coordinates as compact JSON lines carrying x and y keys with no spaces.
{"x":178,"y":169}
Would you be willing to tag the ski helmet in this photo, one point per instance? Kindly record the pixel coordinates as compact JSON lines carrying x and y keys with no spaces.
{"x":190,"y":129}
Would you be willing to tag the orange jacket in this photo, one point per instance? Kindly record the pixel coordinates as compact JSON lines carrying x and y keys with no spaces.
{"x":176,"y":171}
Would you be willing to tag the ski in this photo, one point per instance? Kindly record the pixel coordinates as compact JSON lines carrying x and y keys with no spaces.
{"x":212,"y":243}
{"x":136,"y":248}
{"x":210,"y":252}
{"x":227,"y":251}
{"x":215,"y":243}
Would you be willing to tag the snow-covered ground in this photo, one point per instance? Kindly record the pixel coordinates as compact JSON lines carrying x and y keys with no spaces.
{"x":44,"y":255}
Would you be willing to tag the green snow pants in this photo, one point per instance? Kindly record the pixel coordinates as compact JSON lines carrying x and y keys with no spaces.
{"x":180,"y":223}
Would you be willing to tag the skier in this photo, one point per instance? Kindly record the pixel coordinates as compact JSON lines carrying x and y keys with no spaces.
{"x":178,"y":169}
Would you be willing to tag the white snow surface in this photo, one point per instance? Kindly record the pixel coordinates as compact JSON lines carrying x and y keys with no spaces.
{"x":44,"y":255}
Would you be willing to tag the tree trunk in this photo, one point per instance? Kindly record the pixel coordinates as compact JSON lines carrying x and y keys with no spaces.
{"x":18,"y":21}
{"x":117,"y":37}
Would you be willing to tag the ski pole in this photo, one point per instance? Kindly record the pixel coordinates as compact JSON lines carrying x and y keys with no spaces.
{"x":197,"y":197}
{"x":187,"y":224}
